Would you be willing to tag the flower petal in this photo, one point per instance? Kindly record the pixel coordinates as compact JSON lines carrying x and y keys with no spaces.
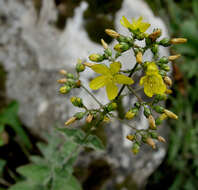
{"x":101,"y":69}
{"x":98,"y":82}
{"x":125,"y":22}
{"x":112,"y":90}
{"x":122,"y":79}
{"x":115,"y":67}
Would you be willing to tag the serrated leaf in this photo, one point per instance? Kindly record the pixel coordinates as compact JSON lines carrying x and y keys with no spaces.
{"x":94,"y":142}
{"x":9,"y":117}
{"x":35,"y":173}
{"x":63,"y":181}
{"x":77,"y":135}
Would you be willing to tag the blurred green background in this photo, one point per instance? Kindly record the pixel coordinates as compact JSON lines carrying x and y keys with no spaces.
{"x":179,"y":170}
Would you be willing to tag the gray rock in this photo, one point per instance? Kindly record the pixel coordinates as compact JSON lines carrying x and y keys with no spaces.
{"x":33,"y":51}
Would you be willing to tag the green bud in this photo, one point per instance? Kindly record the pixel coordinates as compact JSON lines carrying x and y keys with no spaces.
{"x":135,"y":148}
{"x":80,"y":115}
{"x":80,"y":67}
{"x":158,"y":121}
{"x":162,"y":73}
{"x":71,"y":82}
{"x":140,"y":36}
{"x":76,"y":101}
{"x":160,"y":97}
{"x":144,"y":137}
{"x":122,"y":38}
{"x":108,"y":52}
{"x":163,"y":60}
{"x":121,"y":47}
{"x":158,"y":109}
{"x":96,"y":57}
{"x":165,"y":42}
{"x":147,"y":111}
{"x":165,"y":67}
{"x":137,"y":105}
{"x":154,"y":135}
{"x":155,"y":49}
{"x":64,"y":89}
{"x":112,"y":106}
{"x":131,"y":113}
{"x":118,"y":54}
{"x":70,"y":76}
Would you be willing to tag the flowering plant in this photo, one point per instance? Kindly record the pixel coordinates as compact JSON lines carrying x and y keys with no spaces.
{"x":155,"y":81}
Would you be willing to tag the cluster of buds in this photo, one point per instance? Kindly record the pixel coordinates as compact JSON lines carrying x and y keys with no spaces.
{"x":156,"y":82}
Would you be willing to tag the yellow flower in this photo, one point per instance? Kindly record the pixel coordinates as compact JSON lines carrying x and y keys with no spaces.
{"x":109,"y":77}
{"x":153,"y":82}
{"x":135,"y":25}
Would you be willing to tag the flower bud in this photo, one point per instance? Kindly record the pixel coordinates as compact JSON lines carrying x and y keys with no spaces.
{"x":62,"y":81}
{"x":155,"y":49}
{"x":112,"y":106}
{"x":104,"y":44}
{"x":178,"y":40}
{"x":108,"y":52}
{"x":161,"y":139}
{"x":165,"y":67}
{"x":168,"y":91}
{"x":130,"y":137}
{"x":173,"y":57}
{"x":88,"y":64}
{"x":121,"y":47}
{"x":163,"y":60}
{"x":152,"y":122}
{"x":154,"y":135}
{"x":170,"y":114}
{"x":63,"y":72}
{"x":76,"y":101}
{"x":165,"y":42}
{"x":137,"y":105}
{"x":156,"y":34}
{"x":147,"y":112}
{"x":70,"y":121}
{"x":131,"y":113}
{"x":135,"y":148}
{"x":79,"y":115}
{"x":163,"y":116}
{"x":150,"y":142}
{"x":80,"y":67}
{"x":112,"y":33}
{"x":158,"y":121}
{"x":89,"y":118}
{"x":160,"y":97}
{"x":64,"y":89}
{"x":162,"y":72}
{"x":96,"y":57}
{"x":168,"y":81}
{"x":139,"y":57}
{"x":106,"y":119}
{"x":158,"y":109}
{"x":70,"y":76}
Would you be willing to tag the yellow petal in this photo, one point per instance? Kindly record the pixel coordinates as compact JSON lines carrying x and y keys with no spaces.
{"x":115,"y":67}
{"x":125,"y":22}
{"x":142,"y":80}
{"x":101,"y":69}
{"x":144,"y":27}
{"x":98,"y":82}
{"x":112,"y":90}
{"x":122,"y":79}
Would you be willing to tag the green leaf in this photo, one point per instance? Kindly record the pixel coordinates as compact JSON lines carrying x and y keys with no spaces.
{"x":26,"y":186}
{"x":94,"y":142}
{"x":36,"y":173}
{"x":63,"y":181}
{"x":77,"y":135}
{"x":9,"y":117}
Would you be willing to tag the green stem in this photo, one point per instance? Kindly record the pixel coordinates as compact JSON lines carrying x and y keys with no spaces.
{"x":100,"y":104}
{"x":130,"y":74}
{"x":134,"y":92}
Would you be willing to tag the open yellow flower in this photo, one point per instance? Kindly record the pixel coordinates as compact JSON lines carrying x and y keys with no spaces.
{"x":109,"y":77}
{"x":153,"y":82}
{"x":135,"y":25}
